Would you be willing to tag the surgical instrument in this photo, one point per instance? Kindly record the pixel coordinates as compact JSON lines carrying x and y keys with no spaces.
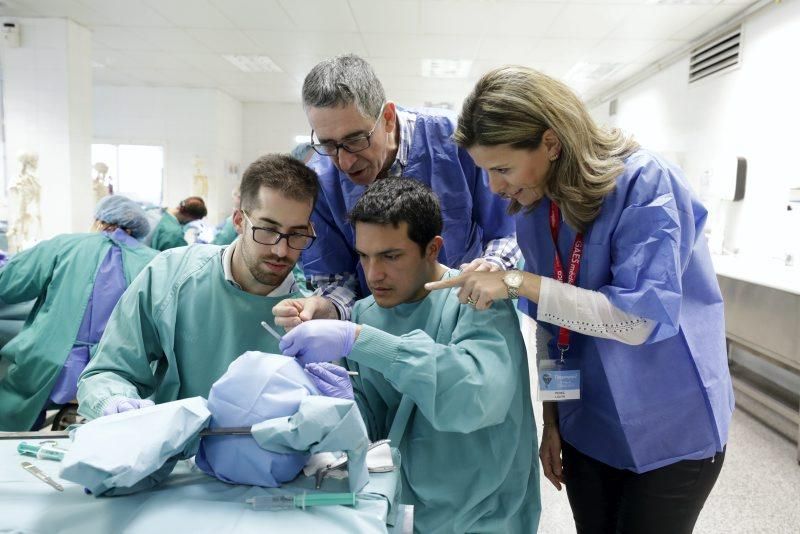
{"x":233,"y":431}
{"x":41,"y":475}
{"x":271,"y":330}
{"x":322,"y":472}
{"x":274,"y":503}
{"x":43,"y":451}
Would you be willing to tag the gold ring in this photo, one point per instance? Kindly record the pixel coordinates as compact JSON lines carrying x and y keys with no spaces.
{"x":471,"y":301}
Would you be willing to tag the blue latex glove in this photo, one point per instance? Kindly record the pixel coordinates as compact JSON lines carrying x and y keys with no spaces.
{"x":319,"y":340}
{"x":124,"y":404}
{"x":331,"y":380}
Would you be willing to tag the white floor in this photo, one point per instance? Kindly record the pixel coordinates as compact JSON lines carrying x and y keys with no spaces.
{"x":758,"y":489}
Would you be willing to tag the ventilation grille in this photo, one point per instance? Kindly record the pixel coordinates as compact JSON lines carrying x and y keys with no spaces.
{"x":717,"y":56}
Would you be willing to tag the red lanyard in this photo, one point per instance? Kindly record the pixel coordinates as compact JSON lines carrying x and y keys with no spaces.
{"x":558,"y":267}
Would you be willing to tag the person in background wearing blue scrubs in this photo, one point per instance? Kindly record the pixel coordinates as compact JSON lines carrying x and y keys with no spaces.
{"x":169,"y":230}
{"x":468,"y":445}
{"x":360,"y":137}
{"x":195,"y":309}
{"x":619,"y":278}
{"x":76,"y":280}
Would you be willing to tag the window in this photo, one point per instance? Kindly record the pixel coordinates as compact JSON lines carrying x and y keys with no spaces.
{"x":135,"y":171}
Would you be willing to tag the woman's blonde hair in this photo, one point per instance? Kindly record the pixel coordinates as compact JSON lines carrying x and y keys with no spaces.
{"x":515,"y":105}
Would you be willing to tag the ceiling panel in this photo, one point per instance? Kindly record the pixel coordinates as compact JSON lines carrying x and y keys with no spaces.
{"x":422,"y":46}
{"x":170,"y":40}
{"x":455,"y":17}
{"x":506,"y":49}
{"x":255,"y":14}
{"x":191,"y":13}
{"x":478,"y":17}
{"x":586,"y":21}
{"x":137,"y":59}
{"x":123,"y":13}
{"x":619,"y":50}
{"x":561,"y":50}
{"x":321,"y":15}
{"x":387,"y":16}
{"x":181,"y":42}
{"x":657,"y":22}
{"x":226,"y":41}
{"x":212,"y":63}
{"x":701,"y":25}
{"x":307,"y":43}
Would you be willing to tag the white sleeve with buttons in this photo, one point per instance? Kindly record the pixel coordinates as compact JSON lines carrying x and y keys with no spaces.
{"x":589,"y":312}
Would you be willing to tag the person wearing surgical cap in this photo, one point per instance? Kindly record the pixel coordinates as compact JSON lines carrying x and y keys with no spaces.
{"x":76,"y":280}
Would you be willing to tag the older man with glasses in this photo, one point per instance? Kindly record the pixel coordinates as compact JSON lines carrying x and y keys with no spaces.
{"x":360,"y":137}
{"x":193,"y":310}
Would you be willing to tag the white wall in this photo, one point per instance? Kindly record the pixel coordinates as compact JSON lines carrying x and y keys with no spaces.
{"x":47,"y":101}
{"x":751,"y":112}
{"x":190,"y":124}
{"x":271,"y":127}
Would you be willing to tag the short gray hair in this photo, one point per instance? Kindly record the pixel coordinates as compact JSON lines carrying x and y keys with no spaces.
{"x":342,"y":80}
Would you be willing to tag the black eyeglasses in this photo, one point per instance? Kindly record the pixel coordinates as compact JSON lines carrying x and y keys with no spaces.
{"x":352,"y":145}
{"x":268,"y":236}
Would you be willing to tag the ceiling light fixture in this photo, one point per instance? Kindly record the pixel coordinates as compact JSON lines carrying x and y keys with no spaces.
{"x":253,"y":63}
{"x":446,"y":68}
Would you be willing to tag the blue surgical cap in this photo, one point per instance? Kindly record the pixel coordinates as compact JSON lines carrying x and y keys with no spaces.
{"x":256,"y":387}
{"x":125,"y":213}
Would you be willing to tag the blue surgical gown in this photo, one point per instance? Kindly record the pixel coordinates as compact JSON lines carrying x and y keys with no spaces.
{"x":472,"y":215}
{"x":60,"y":274}
{"x":469,"y":449}
{"x":669,"y":399}
{"x":175,"y":331}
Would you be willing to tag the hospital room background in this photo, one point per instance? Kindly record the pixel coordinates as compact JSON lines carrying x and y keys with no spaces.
{"x":163,"y":99}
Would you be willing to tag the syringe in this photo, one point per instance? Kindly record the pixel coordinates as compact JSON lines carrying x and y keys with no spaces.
{"x":43,"y":452}
{"x":274,"y":503}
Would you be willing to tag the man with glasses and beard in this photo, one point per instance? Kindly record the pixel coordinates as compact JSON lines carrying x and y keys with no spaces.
{"x":360,"y":137}
{"x":193,"y":310}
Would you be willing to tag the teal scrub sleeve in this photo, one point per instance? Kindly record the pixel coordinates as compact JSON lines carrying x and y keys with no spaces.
{"x":462,"y":386}
{"x":373,"y":410}
{"x":27,"y":274}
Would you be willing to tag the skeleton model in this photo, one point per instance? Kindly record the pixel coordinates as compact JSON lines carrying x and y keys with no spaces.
{"x":101,"y":184}
{"x":24,"y":203}
{"x":200,"y":180}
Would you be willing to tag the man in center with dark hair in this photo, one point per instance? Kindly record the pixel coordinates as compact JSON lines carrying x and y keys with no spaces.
{"x":448,"y":384}
{"x":193,"y":310}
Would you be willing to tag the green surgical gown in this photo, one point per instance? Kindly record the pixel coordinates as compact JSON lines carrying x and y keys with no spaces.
{"x":175,"y":331}
{"x":469,"y":452}
{"x":59,"y":274}
{"x":168,"y":233}
{"x":227,"y":233}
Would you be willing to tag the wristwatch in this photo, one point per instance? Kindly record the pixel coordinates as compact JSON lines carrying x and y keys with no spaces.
{"x":513,"y":281}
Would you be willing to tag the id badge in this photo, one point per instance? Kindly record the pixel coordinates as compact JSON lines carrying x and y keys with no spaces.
{"x":559,"y":380}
